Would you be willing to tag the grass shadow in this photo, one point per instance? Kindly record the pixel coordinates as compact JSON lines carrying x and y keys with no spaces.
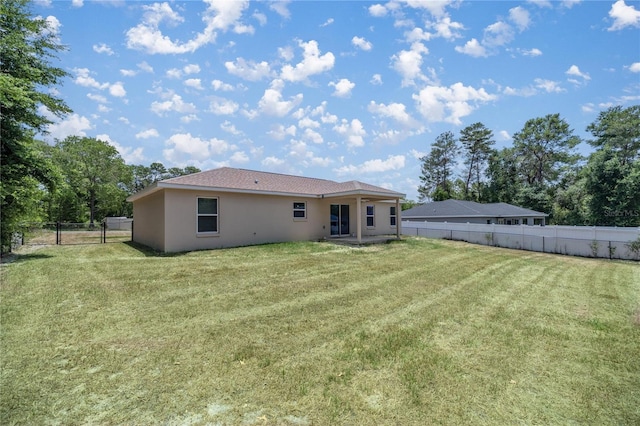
{"x":149,"y":252}
{"x":17,"y":257}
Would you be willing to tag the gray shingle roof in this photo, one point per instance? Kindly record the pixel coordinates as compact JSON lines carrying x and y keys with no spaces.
{"x":462,"y":208}
{"x":242,"y":180}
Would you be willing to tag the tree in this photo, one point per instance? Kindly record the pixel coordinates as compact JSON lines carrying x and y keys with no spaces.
{"x":618,"y":129}
{"x":503,"y":175}
{"x":96,"y":173}
{"x":476,"y":142}
{"x":612,"y":175}
{"x":544,"y":146}
{"x":437,"y":169}
{"x":27,"y":45}
{"x":614,"y":189}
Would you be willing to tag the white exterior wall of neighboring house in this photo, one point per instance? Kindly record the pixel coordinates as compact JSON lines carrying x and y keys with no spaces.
{"x":167,"y":219}
{"x":526,"y":220}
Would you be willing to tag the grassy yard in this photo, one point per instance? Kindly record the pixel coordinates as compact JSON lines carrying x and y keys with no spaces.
{"x":413,"y":332}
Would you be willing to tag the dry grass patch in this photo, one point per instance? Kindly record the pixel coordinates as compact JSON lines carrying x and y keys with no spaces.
{"x":414,"y":332}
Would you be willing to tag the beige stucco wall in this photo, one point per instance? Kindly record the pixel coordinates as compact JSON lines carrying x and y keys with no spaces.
{"x":148,"y":221}
{"x":244,"y":219}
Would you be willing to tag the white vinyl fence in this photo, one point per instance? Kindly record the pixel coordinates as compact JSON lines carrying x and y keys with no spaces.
{"x":588,"y":241}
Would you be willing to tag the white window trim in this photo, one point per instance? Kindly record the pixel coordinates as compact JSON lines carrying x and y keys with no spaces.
{"x":367,"y":216}
{"x":393,"y":216}
{"x":217,"y":216}
{"x":304,"y":210}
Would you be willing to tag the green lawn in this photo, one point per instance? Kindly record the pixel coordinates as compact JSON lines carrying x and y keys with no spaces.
{"x":414,"y":332}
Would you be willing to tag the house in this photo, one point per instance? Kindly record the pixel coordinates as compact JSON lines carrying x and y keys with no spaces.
{"x":230,"y":207}
{"x":461,"y":211}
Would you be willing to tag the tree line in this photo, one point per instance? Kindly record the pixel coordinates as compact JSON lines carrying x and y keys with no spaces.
{"x":541,"y":170}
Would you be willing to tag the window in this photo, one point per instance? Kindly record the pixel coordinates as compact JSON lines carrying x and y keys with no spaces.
{"x":207,"y":215}
{"x":525,"y":221}
{"x":370,"y":216}
{"x":299,"y":210}
{"x":392,"y":216}
{"x":516,"y":221}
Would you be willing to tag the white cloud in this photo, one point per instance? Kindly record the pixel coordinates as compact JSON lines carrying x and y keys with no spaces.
{"x":239,"y":157}
{"x":102,"y":48}
{"x":327,"y":23}
{"x":504,"y":135}
{"x":77,"y":3}
{"x":450,"y":104}
{"x":635,"y":67}
{"x":498,"y":34}
{"x":376,"y":80}
{"x":408,"y":63}
{"x":377,"y":10}
{"x":186,"y":70}
{"x":311,"y":64}
{"x":271,"y":102}
{"x":222,"y":106}
{"x":393,"y":162}
{"x":472,"y":48}
{"x":195,"y":83}
{"x":73,"y":124}
{"x":117,"y":90}
{"x":146,"y":134}
{"x":353,"y":132}
{"x":541,"y":3}
{"x":623,"y":16}
{"x":447,"y":29}
{"x":530,"y":52}
{"x":279,"y":132}
{"x":219,"y":16}
{"x":570,"y":3}
{"x":228,"y":127}
{"x":548,"y":86}
{"x":98,"y":98}
{"x":129,"y":155}
{"x":281,"y":7}
{"x":189,"y":118}
{"x":53,"y":26}
{"x":575,"y":71}
{"x":286,"y":53}
{"x":396,"y":111}
{"x":313,"y":136}
{"x":83,"y":78}
{"x":342,"y":88}
{"x":175,"y":103}
{"x":520,"y":16}
{"x":219,"y":85}
{"x":183,"y":146}
{"x":361,"y":43}
{"x":144,"y":66}
{"x":248,"y":70}
{"x":260,"y":17}
{"x":305,"y":122}
{"x":128,"y":73}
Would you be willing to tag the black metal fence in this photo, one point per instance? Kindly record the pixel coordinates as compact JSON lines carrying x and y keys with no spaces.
{"x":66,"y":233}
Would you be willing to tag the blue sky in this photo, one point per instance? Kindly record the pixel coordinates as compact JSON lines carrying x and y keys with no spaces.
{"x":340,"y":90}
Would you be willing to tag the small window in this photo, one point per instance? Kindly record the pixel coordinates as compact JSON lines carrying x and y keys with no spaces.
{"x":207,"y":215}
{"x":525,"y":221}
{"x":370,"y":216}
{"x":516,"y":221}
{"x":299,"y":210}
{"x":500,"y":221}
{"x":392,"y":216}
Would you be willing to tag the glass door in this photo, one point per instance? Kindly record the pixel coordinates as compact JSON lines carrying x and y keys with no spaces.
{"x":339,"y":219}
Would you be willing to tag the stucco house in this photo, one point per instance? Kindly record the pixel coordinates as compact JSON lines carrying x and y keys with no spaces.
{"x":460,"y":211}
{"x":230,"y":207}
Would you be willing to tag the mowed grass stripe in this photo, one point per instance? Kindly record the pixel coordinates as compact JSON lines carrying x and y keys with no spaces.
{"x":416,"y":332}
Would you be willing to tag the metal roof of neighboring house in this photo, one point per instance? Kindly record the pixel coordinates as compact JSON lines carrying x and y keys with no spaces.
{"x":227,"y":179}
{"x":462,"y":208}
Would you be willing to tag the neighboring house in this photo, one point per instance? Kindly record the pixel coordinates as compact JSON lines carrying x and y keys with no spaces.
{"x":230,"y":207}
{"x":461,"y":211}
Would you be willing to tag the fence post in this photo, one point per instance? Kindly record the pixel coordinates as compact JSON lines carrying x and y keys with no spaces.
{"x":58,"y":233}
{"x":131,"y":230}
{"x":103,"y":232}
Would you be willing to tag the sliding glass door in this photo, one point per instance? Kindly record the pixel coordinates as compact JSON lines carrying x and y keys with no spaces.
{"x":339,"y":219}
